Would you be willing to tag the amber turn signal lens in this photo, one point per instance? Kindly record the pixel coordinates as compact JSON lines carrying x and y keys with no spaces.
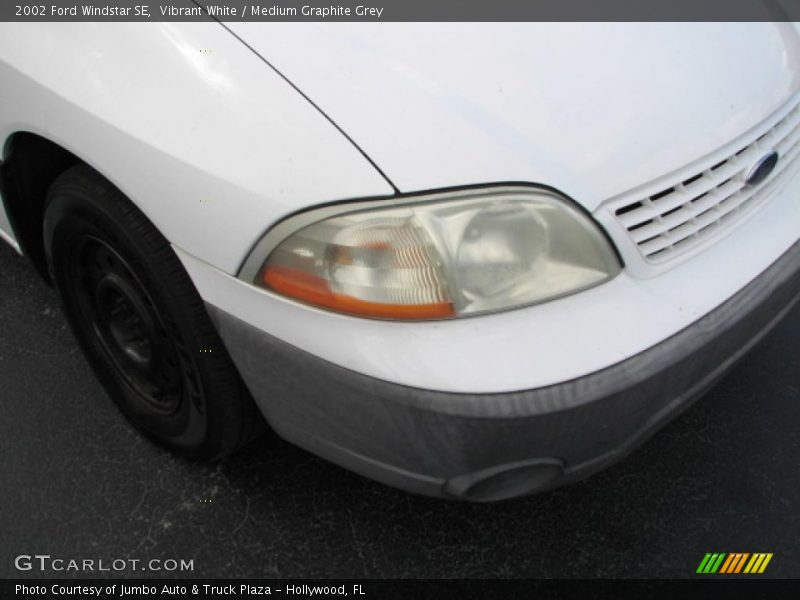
{"x":315,"y":290}
{"x":385,"y":267}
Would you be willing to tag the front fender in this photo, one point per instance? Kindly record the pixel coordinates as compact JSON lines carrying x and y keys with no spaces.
{"x":211,"y":143}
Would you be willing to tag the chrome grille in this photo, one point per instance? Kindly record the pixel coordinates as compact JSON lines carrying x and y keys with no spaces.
{"x":683,"y":215}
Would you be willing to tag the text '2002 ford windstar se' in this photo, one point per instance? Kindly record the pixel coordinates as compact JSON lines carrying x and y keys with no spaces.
{"x":469,"y":260}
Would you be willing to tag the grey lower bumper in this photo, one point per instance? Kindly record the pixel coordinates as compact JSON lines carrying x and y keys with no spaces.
{"x":496,"y":446}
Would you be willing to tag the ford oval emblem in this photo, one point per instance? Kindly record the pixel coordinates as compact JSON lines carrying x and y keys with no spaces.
{"x":762,"y":169}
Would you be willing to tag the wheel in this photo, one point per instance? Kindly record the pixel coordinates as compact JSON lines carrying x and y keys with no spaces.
{"x":140,"y":322}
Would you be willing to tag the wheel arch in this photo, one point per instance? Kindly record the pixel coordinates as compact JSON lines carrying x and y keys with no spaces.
{"x":30,"y":164}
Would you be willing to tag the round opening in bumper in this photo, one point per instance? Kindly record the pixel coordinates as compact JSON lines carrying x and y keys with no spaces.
{"x":506,"y":481}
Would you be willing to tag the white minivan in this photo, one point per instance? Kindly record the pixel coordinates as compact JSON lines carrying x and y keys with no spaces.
{"x":473,"y":261}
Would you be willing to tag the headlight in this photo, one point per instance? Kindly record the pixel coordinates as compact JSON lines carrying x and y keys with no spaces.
{"x":437,"y":256}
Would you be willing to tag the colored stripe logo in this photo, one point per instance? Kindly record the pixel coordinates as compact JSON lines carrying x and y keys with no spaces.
{"x":733,"y":563}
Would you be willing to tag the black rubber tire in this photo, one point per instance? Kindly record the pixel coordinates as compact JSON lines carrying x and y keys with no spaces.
{"x":181,"y":387}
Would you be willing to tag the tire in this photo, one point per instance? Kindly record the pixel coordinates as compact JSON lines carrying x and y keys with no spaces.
{"x":140,"y":321}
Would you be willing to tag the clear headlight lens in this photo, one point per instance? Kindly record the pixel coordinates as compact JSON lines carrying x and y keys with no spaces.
{"x":440,"y":256}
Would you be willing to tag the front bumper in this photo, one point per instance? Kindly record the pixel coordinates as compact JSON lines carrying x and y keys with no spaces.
{"x":496,"y":446}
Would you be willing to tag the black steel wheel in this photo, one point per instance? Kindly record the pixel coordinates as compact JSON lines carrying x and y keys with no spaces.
{"x":140,"y":321}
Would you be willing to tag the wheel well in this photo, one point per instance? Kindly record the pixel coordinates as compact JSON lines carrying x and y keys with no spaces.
{"x":30,"y":165}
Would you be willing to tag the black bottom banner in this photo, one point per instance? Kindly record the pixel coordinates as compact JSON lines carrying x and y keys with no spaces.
{"x":214,"y":589}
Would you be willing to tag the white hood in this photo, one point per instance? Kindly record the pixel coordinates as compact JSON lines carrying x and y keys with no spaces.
{"x":590,"y":109}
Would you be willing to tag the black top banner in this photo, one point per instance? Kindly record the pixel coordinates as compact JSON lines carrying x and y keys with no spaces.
{"x":400,"y":10}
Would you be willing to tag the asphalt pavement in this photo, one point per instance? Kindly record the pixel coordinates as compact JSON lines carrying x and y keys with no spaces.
{"x":77,"y":482}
